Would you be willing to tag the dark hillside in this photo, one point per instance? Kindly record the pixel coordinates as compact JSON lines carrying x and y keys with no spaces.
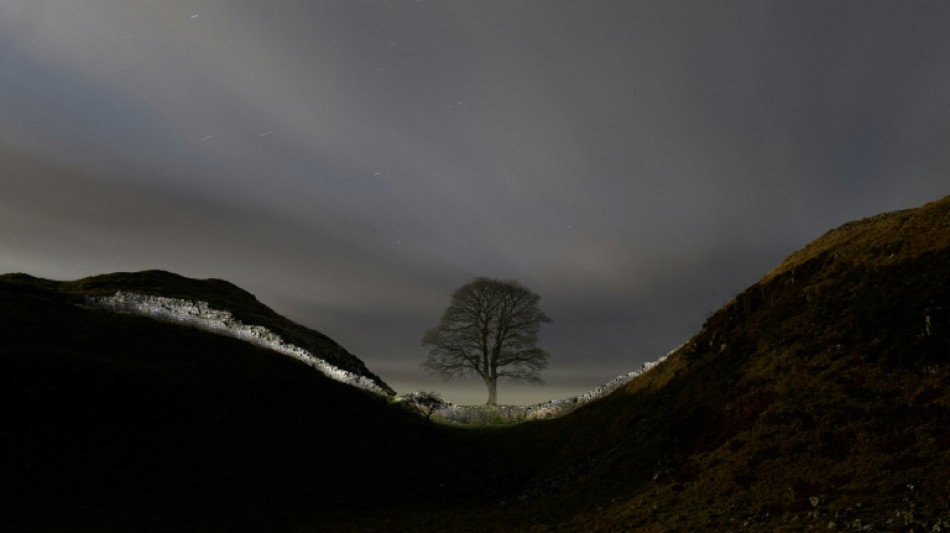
{"x":819,"y":397}
{"x":221,"y":295}
{"x":116,"y":422}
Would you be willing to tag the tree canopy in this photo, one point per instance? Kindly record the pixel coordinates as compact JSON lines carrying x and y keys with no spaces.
{"x":490,"y":329}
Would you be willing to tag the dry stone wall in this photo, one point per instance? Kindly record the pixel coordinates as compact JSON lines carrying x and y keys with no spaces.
{"x":479,"y":414}
{"x":200,"y":315}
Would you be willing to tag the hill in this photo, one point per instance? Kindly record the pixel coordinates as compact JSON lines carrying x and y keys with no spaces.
{"x":818,"y":398}
{"x":118,"y":422}
{"x":219,"y":294}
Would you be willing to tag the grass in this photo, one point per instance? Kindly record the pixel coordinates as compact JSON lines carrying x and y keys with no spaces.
{"x":825,"y":382}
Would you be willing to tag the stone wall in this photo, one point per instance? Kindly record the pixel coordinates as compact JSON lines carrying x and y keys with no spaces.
{"x":200,"y":315}
{"x":480,"y":414}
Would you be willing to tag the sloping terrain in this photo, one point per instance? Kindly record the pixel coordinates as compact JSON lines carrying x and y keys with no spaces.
{"x":219,"y":294}
{"x":117,"y":422}
{"x":818,"y":398}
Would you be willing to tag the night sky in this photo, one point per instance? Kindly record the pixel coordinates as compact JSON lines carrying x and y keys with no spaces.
{"x":352,"y":162}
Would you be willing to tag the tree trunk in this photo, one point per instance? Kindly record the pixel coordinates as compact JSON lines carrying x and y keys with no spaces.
{"x":492,"y":391}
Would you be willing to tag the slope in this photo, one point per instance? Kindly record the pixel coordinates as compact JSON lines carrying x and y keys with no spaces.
{"x":219,"y":294}
{"x":117,"y":422}
{"x":818,"y":397}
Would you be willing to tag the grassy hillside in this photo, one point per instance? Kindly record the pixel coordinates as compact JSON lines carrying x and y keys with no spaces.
{"x":818,"y":398}
{"x":821,"y":391}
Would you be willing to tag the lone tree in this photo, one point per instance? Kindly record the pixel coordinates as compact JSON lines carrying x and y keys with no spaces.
{"x":489,"y":329}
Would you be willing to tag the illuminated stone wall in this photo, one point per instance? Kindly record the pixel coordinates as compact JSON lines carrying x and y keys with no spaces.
{"x":200,"y":315}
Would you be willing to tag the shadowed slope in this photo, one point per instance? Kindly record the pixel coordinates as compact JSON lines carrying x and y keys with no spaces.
{"x":219,"y":294}
{"x":820,"y":394}
{"x":116,"y":422}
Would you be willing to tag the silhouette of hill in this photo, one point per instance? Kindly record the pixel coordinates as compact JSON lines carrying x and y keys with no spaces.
{"x":219,"y":294}
{"x":817,"y":398}
{"x":119,"y":422}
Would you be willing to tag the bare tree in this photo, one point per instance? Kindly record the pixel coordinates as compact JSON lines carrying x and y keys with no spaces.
{"x":490,"y":329}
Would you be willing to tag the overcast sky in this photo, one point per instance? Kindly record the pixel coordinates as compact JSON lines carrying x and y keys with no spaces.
{"x":353,"y":162}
